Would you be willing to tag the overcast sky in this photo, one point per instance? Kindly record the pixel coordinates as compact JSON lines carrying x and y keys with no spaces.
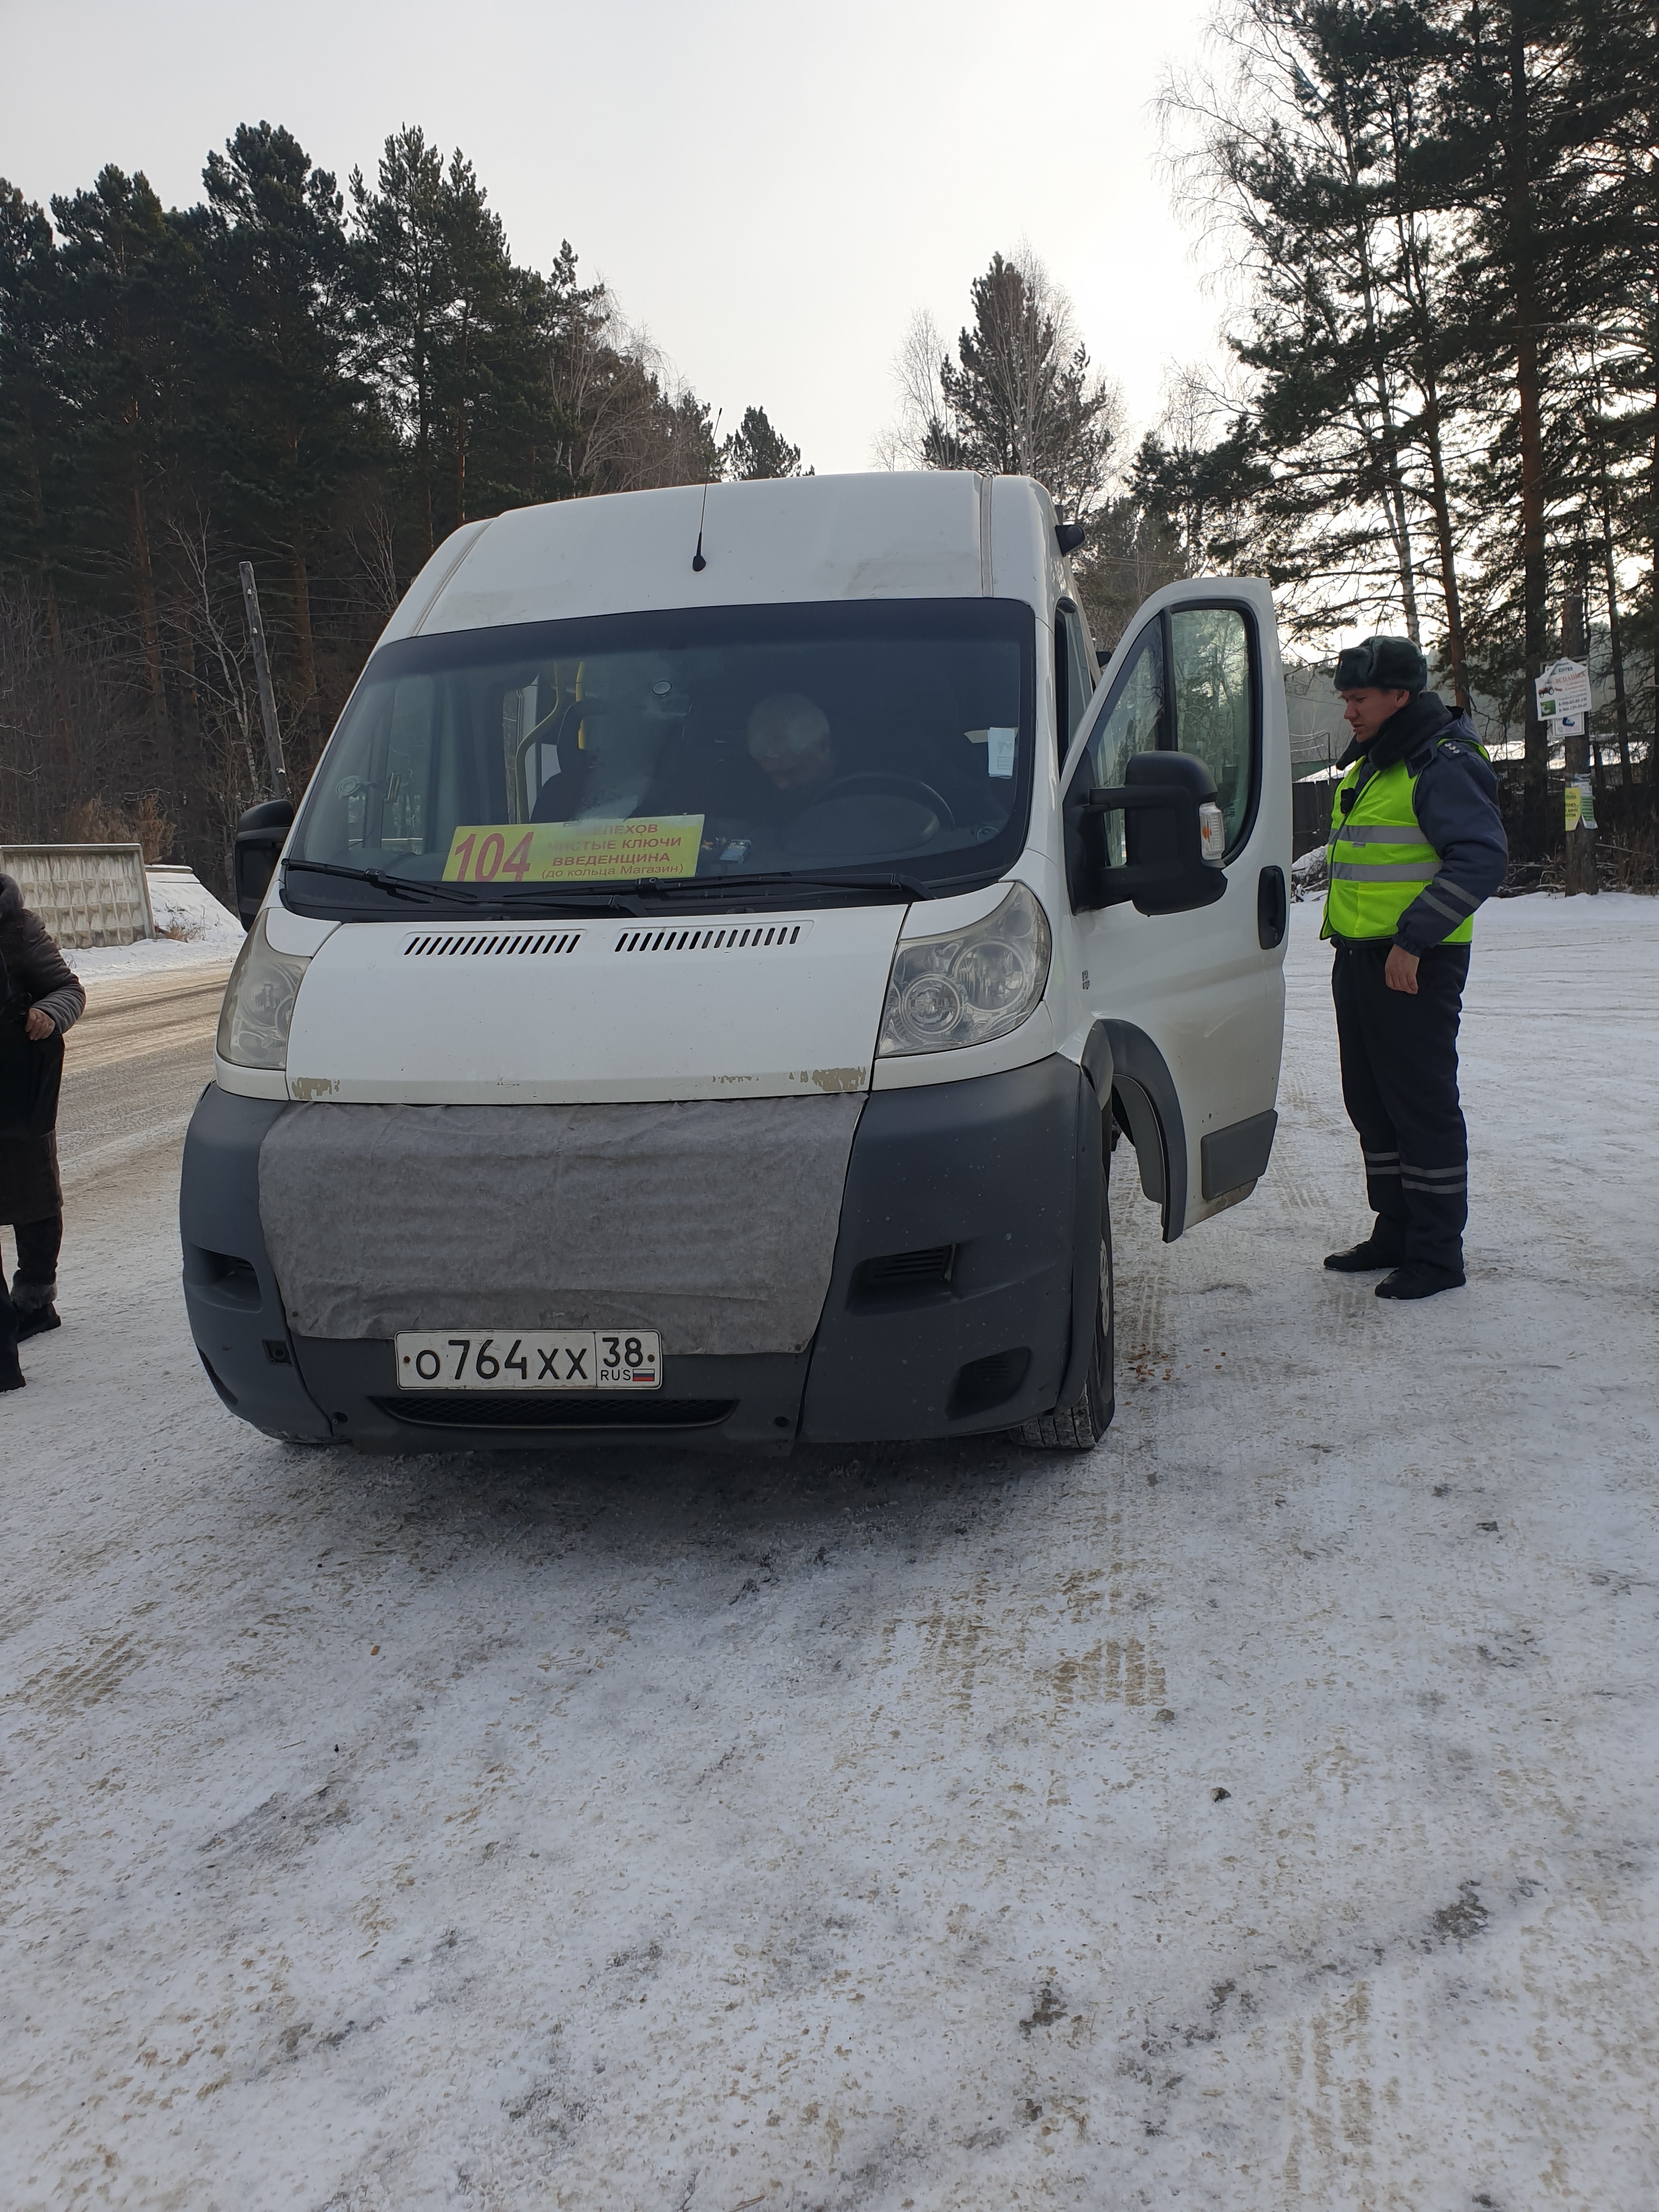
{"x":771,"y":191}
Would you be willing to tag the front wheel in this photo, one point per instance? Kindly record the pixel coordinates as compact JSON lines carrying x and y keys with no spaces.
{"x":1080,"y":1425}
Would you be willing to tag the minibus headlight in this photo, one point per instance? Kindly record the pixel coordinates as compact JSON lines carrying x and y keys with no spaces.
{"x":254,"y":1021}
{"x":973,"y":984}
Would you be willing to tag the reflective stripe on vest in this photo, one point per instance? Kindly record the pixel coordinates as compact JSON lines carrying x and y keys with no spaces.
{"x":1378,"y":860}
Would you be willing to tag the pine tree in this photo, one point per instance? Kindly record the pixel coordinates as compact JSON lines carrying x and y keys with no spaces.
{"x":1019,"y":399}
{"x":285,"y":422}
{"x":756,"y":450}
{"x":127,"y":271}
{"x":403,"y":290}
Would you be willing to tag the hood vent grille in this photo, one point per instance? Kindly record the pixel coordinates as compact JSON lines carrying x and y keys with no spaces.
{"x":473,"y":944}
{"x":727,"y":937}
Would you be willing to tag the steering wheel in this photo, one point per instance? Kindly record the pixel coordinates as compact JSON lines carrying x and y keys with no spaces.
{"x":876,"y":779}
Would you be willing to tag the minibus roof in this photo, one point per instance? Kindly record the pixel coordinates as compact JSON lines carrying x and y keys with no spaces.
{"x":888,"y":535}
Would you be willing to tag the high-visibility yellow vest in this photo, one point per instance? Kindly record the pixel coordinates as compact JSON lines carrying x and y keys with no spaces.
{"x":1378,"y":859}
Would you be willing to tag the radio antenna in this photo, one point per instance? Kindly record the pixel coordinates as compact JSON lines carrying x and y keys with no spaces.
{"x":698,"y":564}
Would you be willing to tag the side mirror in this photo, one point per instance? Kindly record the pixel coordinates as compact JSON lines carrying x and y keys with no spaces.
{"x":1174,"y":836}
{"x":260,"y":835}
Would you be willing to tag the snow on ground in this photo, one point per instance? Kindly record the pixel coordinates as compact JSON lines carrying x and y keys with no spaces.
{"x":1260,"y":1811}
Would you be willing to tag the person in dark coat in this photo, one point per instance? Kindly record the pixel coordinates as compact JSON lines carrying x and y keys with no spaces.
{"x":1417,"y":844}
{"x":39,"y":997}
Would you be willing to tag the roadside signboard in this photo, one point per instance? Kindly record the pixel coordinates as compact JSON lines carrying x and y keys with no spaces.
{"x":1562,"y":689}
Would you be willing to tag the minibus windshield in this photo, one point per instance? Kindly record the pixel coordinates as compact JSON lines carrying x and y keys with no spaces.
{"x":814,"y":751}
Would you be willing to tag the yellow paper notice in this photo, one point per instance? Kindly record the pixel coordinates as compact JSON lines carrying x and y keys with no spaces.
{"x":574,"y":852}
{"x":1575,"y":806}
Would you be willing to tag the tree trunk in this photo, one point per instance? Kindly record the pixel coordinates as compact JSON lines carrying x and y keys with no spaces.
{"x":461,"y":423}
{"x":148,"y":627}
{"x":424,"y":436}
{"x":310,"y":714}
{"x":1616,"y":645}
{"x":198,"y":840}
{"x":1579,"y":855}
{"x":1402,"y":538}
{"x":1519,"y":248}
{"x":1394,"y":504}
{"x":1445,"y":545}
{"x":62,"y":729}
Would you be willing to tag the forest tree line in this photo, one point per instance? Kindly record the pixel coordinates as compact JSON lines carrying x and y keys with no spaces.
{"x":323,"y":382}
{"x":1439,"y":228}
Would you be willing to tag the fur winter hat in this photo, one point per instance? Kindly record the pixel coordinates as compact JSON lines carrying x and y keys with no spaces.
{"x":1391,"y":664}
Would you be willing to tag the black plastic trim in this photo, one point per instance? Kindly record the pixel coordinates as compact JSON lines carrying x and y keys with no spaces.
{"x":1236,"y":1155}
{"x":1093,"y":1102}
{"x":1273,"y":909}
{"x":1097,"y":1061}
{"x":1138,"y":1065}
{"x":231,"y":1294}
{"x":990,"y":1166}
{"x":477,"y":1409}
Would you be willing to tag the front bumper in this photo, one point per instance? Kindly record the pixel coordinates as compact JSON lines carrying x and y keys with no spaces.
{"x":952,"y":1309}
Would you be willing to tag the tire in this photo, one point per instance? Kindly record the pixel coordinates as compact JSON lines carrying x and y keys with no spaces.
{"x":1079,"y":1426}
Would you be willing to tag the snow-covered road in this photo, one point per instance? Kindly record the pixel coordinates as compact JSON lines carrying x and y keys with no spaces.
{"x":1261,"y":1812}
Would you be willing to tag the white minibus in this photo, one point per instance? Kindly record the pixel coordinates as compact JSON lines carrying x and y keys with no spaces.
{"x":704,"y":982}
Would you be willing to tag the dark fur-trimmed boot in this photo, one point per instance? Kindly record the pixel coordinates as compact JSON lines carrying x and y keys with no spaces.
{"x":36,"y":1307}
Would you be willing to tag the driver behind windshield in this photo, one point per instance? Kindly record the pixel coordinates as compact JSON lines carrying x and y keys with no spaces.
{"x":789,"y":742}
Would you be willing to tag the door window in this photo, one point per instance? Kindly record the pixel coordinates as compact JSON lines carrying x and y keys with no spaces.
{"x":1133,"y":723}
{"x":1214,"y":706}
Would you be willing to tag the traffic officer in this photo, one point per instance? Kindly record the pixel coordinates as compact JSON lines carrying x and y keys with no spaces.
{"x":1416,"y":844}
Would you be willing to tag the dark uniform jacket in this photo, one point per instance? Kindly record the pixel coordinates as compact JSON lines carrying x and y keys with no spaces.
{"x":32,"y":973}
{"x":1455,"y":799}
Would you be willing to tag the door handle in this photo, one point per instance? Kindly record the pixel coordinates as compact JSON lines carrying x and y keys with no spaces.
{"x":1272,"y":908}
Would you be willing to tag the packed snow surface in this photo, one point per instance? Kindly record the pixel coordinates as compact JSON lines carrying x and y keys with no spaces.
{"x":1260,"y":1811}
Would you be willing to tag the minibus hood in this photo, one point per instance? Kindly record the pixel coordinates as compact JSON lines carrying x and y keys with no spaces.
{"x":433,"y":1012}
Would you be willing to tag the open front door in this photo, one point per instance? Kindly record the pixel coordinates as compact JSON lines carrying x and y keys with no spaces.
{"x":1194,"y":1001}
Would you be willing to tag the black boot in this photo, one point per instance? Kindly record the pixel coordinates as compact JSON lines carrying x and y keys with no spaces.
{"x":11,"y":1374}
{"x":1378,"y":1250}
{"x":35,"y":1308}
{"x":1420,"y":1280}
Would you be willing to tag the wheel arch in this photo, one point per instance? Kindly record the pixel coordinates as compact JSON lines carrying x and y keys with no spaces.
{"x":1148,"y":1106}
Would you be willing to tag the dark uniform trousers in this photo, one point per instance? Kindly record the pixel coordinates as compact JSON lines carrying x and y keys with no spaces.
{"x":1400,"y":1086}
{"x":39,"y":1243}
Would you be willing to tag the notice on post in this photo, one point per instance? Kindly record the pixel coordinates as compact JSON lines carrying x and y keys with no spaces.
{"x":1562,"y":689}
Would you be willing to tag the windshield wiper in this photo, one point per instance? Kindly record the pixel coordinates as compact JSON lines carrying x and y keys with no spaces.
{"x":735,"y":886}
{"x":398,"y":885}
{"x":541,"y":897}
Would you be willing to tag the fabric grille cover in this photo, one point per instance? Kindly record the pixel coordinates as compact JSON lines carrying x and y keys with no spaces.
{"x":711,"y":1222}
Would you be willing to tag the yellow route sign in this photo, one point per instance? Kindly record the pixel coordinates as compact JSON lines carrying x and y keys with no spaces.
{"x":574,"y":852}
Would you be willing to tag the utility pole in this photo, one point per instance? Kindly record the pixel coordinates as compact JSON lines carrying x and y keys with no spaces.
{"x":1580,"y":869}
{"x":256,"y":630}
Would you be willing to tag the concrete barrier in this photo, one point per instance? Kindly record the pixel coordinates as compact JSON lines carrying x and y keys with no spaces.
{"x":85,"y":893}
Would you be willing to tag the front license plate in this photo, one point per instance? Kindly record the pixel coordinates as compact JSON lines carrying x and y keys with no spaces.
{"x":536,"y":1359}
